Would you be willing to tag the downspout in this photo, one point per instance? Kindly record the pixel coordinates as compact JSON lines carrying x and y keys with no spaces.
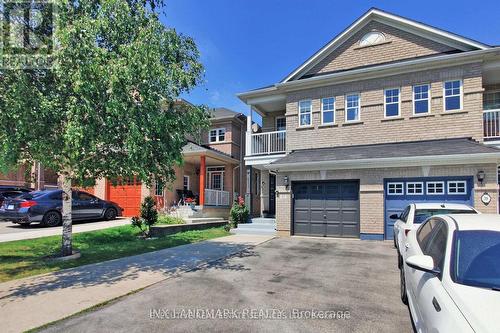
{"x":236,"y":167}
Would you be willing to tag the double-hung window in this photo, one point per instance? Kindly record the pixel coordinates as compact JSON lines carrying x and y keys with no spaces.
{"x":453,"y":95}
{"x":352,"y":107}
{"x":218,"y":135}
{"x":328,"y":110}
{"x":391,"y":102}
{"x":305,"y":110}
{"x":421,"y":99}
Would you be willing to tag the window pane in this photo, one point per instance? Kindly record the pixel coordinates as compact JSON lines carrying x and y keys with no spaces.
{"x":328,"y":104}
{"x":305,"y":119}
{"x":352,"y":114}
{"x":328,"y":117}
{"x":421,"y":106}
{"x":392,"y":110}
{"x":453,"y":103}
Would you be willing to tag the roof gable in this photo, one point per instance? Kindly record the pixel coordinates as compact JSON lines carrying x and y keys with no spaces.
{"x":400,"y":32}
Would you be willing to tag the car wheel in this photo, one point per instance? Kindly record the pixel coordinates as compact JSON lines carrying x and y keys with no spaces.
{"x":52,"y":219}
{"x":110,"y":214}
{"x":404,"y":296}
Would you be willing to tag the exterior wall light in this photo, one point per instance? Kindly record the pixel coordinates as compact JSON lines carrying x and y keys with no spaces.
{"x":481,"y":176}
{"x":286,"y":182}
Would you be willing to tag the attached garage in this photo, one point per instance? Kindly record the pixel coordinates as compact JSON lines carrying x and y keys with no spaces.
{"x":400,"y":192}
{"x":126,"y":194}
{"x":326,"y":209}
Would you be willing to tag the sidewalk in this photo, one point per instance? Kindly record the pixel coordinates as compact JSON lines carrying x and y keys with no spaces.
{"x":34,"y":301}
{"x":14,"y":232}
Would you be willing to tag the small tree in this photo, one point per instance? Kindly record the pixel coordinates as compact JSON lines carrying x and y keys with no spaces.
{"x":147,"y":218}
{"x":239,"y":212}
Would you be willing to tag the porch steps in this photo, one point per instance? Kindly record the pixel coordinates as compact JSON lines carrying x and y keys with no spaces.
{"x":257,"y":226}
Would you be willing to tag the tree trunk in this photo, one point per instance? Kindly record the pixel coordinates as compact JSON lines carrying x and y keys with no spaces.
{"x":67,"y":247}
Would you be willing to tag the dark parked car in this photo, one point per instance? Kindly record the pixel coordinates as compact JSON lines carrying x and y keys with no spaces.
{"x":8,"y":191}
{"x":45,"y":207}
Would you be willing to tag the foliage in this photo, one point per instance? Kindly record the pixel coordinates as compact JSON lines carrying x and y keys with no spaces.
{"x":167,"y":219}
{"x":32,"y":257}
{"x":239,"y":212}
{"x":227,"y":227}
{"x":148,"y":217}
{"x":109,"y":107}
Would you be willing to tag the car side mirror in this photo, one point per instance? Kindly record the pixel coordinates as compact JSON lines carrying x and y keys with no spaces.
{"x":423,"y":263}
{"x":394,"y":217}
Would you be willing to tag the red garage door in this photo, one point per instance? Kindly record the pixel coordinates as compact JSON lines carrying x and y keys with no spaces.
{"x":126,"y":194}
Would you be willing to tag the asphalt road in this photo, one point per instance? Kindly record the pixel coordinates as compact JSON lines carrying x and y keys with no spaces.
{"x":10,"y":231}
{"x":275,"y":287}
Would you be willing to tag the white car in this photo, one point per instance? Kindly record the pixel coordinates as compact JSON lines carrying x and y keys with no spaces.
{"x":451,"y":276}
{"x":414,"y":214}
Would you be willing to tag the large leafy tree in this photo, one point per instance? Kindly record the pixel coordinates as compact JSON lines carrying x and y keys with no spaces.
{"x":108,"y":107}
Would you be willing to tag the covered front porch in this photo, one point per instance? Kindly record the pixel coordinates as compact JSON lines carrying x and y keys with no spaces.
{"x":206,"y":179}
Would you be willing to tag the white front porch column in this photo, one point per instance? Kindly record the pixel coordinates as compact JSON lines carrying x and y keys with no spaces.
{"x":248,"y":143}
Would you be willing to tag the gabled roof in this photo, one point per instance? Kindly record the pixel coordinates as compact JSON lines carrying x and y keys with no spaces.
{"x":407,"y":153}
{"x":374,"y":14}
{"x":224,"y":113}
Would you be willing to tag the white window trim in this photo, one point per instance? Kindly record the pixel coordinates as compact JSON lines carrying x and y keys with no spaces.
{"x":359,"y":107}
{"x":334,"y":111}
{"x":438,"y":182}
{"x":461,"y":95}
{"x":213,"y":169}
{"x":396,"y":183}
{"x":276,"y":122}
{"x":217,"y":131}
{"x":457,"y":182}
{"x":310,"y":113}
{"x":421,"y":183}
{"x":188,"y":182}
{"x":399,"y":103}
{"x":428,"y":97}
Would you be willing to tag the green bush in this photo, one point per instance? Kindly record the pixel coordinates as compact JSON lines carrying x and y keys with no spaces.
{"x":148,"y":217}
{"x":166,"y":219}
{"x":239,"y":212}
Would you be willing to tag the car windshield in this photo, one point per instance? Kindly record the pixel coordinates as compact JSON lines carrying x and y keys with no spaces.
{"x":475,"y":258}
{"x":422,"y":214}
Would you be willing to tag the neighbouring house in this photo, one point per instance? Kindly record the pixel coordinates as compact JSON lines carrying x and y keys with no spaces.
{"x":213,"y":171}
{"x":36,"y":177}
{"x":391,"y":111}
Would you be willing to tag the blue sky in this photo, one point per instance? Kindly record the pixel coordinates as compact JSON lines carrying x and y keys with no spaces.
{"x":247,"y":44}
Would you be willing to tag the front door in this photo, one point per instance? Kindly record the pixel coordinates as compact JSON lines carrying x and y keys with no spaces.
{"x":216,"y":182}
{"x":272,"y":194}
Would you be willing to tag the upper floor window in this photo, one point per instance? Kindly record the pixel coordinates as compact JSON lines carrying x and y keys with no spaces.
{"x":392,"y":102}
{"x":280,"y":123}
{"x":218,"y":135}
{"x":453,"y":95}
{"x":421,"y":100}
{"x":352,"y":107}
{"x":491,"y":100}
{"x":328,"y":110}
{"x":305,"y":110}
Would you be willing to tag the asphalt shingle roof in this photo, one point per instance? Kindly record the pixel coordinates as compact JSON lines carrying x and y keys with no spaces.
{"x":455,"y":146}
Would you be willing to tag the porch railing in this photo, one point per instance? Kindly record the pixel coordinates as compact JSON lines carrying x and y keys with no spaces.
{"x":216,"y":197}
{"x":491,"y":124}
{"x":268,"y":143}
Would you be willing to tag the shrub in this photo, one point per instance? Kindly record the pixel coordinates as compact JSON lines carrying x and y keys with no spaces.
{"x":239,"y":212}
{"x":166,"y":219}
{"x":148,"y":216}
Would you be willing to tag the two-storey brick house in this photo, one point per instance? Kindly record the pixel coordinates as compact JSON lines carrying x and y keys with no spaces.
{"x":391,"y":111}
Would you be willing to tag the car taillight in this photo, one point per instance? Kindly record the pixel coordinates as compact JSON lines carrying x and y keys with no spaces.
{"x":407,"y":231}
{"x":28,"y":204}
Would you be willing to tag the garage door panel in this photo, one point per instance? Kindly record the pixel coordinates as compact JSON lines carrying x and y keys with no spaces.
{"x":126,"y":196}
{"x":330,"y":205}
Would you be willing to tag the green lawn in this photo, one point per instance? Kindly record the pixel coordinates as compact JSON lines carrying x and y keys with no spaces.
{"x":31,"y":257}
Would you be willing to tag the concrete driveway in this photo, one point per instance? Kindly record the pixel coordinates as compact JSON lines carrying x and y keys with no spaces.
{"x":276,"y":287}
{"x":10,"y":231}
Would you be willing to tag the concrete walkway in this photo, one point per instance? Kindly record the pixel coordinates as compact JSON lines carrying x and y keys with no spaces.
{"x":11,"y":232}
{"x":34,"y":301}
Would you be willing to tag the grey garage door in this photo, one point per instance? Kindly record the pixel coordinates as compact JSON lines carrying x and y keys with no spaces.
{"x":328,"y":209}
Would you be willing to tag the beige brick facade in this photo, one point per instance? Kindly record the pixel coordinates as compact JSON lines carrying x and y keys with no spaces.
{"x":373,"y":127}
{"x":398,"y":45}
{"x":371,"y":194}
